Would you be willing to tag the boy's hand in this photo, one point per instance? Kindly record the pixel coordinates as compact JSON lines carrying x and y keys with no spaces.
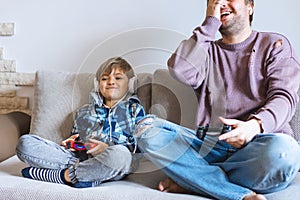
{"x":214,"y":8}
{"x":72,"y":137}
{"x":97,"y":147}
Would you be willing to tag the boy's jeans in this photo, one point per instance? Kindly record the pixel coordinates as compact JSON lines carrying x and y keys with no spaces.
{"x":112,"y":164}
{"x":214,"y":168}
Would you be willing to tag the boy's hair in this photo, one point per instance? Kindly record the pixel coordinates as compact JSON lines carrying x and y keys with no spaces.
{"x":112,"y":63}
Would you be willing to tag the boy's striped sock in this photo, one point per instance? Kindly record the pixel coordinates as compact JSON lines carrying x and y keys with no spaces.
{"x":42,"y":174}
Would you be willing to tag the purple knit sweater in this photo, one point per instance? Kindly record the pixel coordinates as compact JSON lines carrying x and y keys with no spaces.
{"x":255,"y":78}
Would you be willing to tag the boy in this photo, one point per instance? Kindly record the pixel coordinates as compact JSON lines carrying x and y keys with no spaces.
{"x":106,"y":124}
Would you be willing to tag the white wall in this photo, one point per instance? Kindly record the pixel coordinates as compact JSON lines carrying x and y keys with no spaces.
{"x":77,"y":35}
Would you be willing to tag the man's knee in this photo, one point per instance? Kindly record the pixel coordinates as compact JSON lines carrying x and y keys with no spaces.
{"x":281,"y":148}
{"x":280,"y":157}
{"x":143,"y":125}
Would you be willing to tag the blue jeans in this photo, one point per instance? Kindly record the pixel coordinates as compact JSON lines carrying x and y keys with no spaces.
{"x":214,"y":168}
{"x":112,"y":164}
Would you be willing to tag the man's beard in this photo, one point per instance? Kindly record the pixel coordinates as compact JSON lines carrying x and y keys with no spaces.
{"x":232,"y":28}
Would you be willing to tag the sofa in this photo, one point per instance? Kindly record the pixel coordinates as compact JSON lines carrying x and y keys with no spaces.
{"x":56,"y":97}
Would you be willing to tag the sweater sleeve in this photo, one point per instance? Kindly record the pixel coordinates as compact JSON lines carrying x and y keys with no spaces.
{"x":188,"y":63}
{"x":282,"y":82}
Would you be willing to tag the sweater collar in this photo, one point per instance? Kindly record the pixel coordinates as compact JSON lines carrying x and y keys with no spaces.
{"x":238,"y":46}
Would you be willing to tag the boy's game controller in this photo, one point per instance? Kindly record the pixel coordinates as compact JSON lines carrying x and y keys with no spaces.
{"x":80,"y":148}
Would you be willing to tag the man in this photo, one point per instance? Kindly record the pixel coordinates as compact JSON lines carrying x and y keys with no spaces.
{"x":249,"y":78}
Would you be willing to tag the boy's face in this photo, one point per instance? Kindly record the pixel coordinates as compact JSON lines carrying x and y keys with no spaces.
{"x":113,"y":86}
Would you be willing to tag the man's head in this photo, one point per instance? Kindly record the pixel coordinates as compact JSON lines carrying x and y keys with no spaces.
{"x":251,"y":3}
{"x":113,"y":80}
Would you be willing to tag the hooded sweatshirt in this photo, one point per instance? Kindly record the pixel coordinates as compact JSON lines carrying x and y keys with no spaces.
{"x":110,"y":125}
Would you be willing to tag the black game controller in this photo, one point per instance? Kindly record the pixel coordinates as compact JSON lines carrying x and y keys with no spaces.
{"x":226,"y":128}
{"x":202,"y":131}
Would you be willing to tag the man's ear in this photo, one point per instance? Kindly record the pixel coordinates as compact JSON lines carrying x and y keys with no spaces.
{"x":250,"y":10}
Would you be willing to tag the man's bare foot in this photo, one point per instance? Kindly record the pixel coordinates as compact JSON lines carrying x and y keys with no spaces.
{"x":254,"y":196}
{"x":168,"y":185}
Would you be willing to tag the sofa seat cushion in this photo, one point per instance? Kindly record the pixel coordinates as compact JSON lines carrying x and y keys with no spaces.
{"x":139,"y":186}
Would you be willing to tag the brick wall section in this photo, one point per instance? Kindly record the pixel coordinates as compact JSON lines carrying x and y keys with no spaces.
{"x":15,"y":78}
{"x":7,"y":29}
{"x":7,"y":65}
{"x":7,"y":91}
{"x":10,"y":80}
{"x":15,"y":102}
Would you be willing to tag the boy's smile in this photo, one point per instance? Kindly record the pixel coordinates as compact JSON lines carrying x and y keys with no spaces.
{"x":113,"y":86}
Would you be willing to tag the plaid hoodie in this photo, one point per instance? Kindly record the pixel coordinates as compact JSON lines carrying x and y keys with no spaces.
{"x":110,"y":125}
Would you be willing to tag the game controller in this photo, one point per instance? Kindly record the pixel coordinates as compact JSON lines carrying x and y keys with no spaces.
{"x":226,"y":128}
{"x":80,"y":148}
{"x":202,"y":131}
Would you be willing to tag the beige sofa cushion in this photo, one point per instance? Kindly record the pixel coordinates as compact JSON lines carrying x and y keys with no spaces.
{"x":173,"y":100}
{"x":56,"y":96}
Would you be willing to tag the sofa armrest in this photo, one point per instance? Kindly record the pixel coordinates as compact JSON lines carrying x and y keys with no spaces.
{"x":13,"y":125}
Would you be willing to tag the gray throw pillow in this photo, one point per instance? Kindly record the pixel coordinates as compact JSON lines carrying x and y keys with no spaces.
{"x":56,"y":96}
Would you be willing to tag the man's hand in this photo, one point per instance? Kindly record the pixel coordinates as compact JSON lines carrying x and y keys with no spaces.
{"x":98,"y":147}
{"x":214,"y":8}
{"x":243,"y":132}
